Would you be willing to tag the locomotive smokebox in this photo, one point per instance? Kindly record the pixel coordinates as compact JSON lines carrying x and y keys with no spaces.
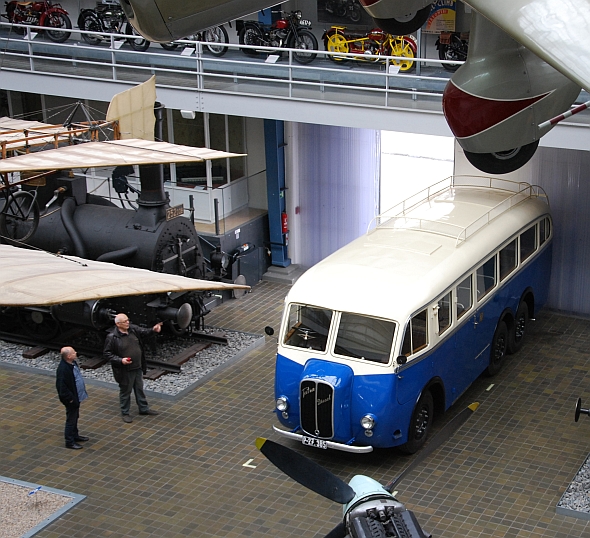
{"x":148,"y":237}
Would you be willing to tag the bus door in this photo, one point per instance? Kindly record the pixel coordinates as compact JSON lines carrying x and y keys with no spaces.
{"x":471,"y":342}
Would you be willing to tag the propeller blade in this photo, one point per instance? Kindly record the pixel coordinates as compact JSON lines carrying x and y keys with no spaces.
{"x":339,"y":531}
{"x":443,"y":435}
{"x":306,"y":472}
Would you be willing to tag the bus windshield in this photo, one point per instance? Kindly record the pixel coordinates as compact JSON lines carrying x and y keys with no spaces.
{"x":364,"y":337}
{"x":308,"y":327}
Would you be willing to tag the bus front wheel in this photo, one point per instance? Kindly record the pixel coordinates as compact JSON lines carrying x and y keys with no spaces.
{"x":421,"y":424}
{"x":499,"y":348}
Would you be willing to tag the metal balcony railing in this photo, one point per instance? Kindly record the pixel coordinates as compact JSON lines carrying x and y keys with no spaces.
{"x":373,"y":81}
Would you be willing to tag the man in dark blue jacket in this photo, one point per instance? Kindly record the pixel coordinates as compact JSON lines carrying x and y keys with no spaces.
{"x":71,"y":391}
{"x":123,"y":347}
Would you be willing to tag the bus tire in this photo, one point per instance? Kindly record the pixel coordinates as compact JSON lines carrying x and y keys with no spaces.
{"x":498,"y":351}
{"x":421,"y":423}
{"x":518,"y":331}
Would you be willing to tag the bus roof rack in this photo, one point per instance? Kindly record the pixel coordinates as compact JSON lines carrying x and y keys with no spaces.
{"x":399,"y":215}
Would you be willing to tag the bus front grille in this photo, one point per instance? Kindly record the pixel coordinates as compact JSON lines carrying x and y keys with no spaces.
{"x":317,"y":408}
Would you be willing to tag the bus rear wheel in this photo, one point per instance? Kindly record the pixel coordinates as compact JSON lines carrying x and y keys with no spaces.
{"x":499,"y":348}
{"x":421,"y":424}
{"x":518,"y":332}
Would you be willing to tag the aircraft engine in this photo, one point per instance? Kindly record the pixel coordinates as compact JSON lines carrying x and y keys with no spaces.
{"x":399,"y":17}
{"x":495,"y":102}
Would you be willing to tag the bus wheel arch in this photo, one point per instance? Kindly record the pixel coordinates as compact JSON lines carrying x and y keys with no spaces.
{"x":420,"y":423}
{"x":524,"y":313}
{"x":498,"y":349}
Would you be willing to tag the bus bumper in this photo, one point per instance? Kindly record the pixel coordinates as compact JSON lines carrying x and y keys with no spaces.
{"x":329,"y":444}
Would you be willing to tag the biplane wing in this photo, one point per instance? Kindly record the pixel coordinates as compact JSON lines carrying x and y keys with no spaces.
{"x":39,"y":278}
{"x":556,"y":31}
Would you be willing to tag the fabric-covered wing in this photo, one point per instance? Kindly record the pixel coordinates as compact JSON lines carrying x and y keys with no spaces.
{"x":555,"y":30}
{"x":110,"y":153}
{"x":30,"y":277}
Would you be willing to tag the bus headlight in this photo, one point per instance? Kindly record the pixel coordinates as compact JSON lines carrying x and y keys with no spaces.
{"x":368,"y":423}
{"x":282,"y":404}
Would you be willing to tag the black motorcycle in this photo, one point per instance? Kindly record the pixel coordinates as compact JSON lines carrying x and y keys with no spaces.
{"x":109,"y":17}
{"x":290,"y":31}
{"x":215,"y":38}
{"x":349,"y":9}
{"x":452,"y":46}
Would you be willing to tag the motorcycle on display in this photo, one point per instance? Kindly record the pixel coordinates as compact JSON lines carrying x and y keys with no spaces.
{"x":349,"y":9}
{"x":376,"y":42}
{"x":215,"y":39}
{"x":452,"y":46}
{"x":290,"y":31}
{"x":108,"y":16}
{"x":43,"y":13}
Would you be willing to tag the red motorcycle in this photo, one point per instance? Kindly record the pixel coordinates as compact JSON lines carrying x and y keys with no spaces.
{"x":43,"y":13}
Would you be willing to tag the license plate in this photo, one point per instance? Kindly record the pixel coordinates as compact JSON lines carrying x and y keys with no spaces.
{"x":312,"y":441}
{"x":304,"y":23}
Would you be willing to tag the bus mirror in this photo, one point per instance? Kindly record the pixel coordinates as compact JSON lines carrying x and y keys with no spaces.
{"x":401,"y":360}
{"x":269,"y":330}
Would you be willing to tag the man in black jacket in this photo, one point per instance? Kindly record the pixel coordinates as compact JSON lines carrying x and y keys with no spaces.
{"x":71,"y":391}
{"x":123,"y":347}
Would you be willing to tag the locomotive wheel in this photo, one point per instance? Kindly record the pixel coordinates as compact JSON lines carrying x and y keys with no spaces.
{"x":498,"y":351}
{"x":337,"y":43}
{"x":20,"y":216}
{"x":518,"y":332}
{"x":420,"y":424}
{"x":58,"y":20}
{"x":213,"y":37}
{"x":38,"y":325}
{"x":138,"y":43}
{"x":304,"y":41}
{"x":502,"y":162}
{"x":400,"y":47}
{"x":250,"y":35}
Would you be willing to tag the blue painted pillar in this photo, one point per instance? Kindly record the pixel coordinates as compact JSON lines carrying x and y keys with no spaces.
{"x":274,"y":144}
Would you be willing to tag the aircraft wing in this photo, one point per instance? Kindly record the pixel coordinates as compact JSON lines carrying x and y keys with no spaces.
{"x":555,"y":30}
{"x":38,"y":278}
{"x":110,"y":153}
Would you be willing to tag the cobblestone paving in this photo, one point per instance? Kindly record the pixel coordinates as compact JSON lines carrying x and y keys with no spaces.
{"x":182,"y":473}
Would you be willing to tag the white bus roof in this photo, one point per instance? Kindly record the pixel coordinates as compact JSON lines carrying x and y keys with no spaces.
{"x":421,"y":247}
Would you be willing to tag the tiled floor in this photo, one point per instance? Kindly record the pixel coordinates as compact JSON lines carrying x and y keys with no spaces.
{"x":182,"y":473}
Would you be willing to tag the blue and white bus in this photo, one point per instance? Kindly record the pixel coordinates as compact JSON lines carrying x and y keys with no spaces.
{"x":395,"y":326}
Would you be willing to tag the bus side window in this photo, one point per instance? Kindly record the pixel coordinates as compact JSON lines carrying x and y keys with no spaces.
{"x":507,"y":259}
{"x":444,"y":313}
{"x":415,"y":337}
{"x":464,"y":296}
{"x":486,"y":277}
{"x":544,"y":230}
{"x":528,"y":242}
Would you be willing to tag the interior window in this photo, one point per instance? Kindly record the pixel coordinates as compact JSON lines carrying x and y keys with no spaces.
{"x":363,"y":337}
{"x":507,"y":259}
{"x":528,"y":243}
{"x":416,"y":335}
{"x":444,"y":313}
{"x":308,"y":327}
{"x":464,"y":296}
{"x":486,"y":277}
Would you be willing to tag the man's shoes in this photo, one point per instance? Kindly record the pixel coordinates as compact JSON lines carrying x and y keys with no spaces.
{"x":82,"y":439}
{"x":74,"y":446}
{"x":149,"y":412}
{"x":127,"y":419}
